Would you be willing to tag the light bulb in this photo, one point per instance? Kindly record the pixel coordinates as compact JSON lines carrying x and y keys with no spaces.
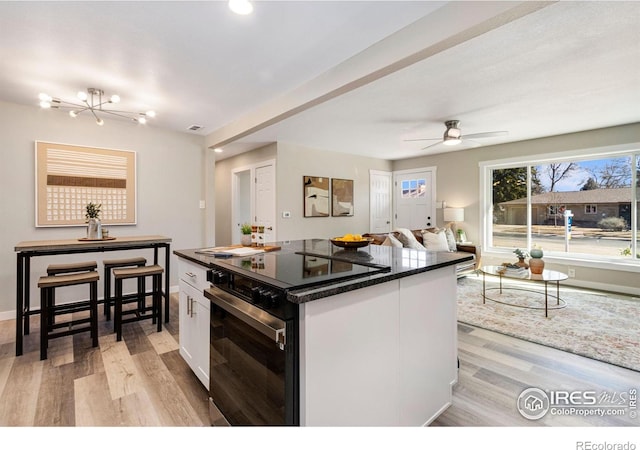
{"x":82,"y":95}
{"x":242,"y":7}
{"x":115,"y":98}
{"x":142,"y":120}
{"x":45,"y":97}
{"x":100,"y":122}
{"x":452,"y":142}
{"x":45,"y":104}
{"x":72,"y":113}
{"x":150,"y":114}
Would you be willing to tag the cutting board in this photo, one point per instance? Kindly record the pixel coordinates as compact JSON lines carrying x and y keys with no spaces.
{"x":230,"y":249}
{"x":266,"y":248}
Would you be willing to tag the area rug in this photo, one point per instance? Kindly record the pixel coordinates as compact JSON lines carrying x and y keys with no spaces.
{"x":594,"y":324}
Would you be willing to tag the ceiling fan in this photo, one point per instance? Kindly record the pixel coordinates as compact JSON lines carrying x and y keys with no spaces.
{"x":453,"y":136}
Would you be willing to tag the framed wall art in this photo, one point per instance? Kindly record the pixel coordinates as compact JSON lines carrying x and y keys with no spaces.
{"x":68,"y":177}
{"x":341,"y":197}
{"x":316,"y":196}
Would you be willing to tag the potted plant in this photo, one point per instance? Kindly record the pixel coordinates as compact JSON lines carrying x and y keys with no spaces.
{"x":94,"y":227}
{"x":521,"y":254}
{"x":245,"y":239}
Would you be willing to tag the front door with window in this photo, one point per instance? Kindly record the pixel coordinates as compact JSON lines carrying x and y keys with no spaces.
{"x":414,"y":199}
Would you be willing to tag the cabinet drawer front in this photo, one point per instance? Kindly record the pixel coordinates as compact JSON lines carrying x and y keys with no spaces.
{"x":193,"y":274}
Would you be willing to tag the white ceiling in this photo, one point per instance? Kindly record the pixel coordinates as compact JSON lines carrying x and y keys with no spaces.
{"x":357,"y":77}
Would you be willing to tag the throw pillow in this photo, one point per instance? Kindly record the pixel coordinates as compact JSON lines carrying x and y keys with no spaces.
{"x":436,"y":242}
{"x":408,"y":239}
{"x":451,"y":239}
{"x":391,"y":241}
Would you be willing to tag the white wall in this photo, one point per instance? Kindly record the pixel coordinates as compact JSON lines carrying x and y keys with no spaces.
{"x":295,"y":162}
{"x":170,"y":183}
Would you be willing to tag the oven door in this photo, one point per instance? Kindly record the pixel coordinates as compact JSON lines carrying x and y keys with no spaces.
{"x":247,"y":361}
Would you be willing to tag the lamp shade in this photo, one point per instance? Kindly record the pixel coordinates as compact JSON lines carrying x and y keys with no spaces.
{"x":454,"y":214}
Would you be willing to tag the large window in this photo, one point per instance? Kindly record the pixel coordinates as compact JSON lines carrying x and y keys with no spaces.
{"x":583,"y":207}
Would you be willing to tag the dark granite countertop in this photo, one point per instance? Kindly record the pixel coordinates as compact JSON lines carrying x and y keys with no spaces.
{"x":388,"y":263}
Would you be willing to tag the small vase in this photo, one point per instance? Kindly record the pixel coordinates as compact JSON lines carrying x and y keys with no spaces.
{"x":94,"y":229}
{"x":536,"y":265}
{"x":245,"y":240}
{"x":521,"y":263}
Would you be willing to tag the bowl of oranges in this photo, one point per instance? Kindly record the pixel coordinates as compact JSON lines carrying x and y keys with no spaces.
{"x":350,"y":241}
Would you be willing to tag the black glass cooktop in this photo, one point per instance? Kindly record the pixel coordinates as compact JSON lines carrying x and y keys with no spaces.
{"x":296,"y":270}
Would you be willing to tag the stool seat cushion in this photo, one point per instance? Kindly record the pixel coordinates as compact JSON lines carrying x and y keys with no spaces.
{"x":55,"y":269}
{"x":135,"y":272}
{"x":68,"y":279}
{"x":124,"y":262}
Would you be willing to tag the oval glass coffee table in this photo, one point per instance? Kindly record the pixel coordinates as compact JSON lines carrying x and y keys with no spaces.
{"x":546,"y":277}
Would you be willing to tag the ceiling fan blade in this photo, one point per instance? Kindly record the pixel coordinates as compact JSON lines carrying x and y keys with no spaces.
{"x":488,"y":134}
{"x":424,"y":139}
{"x":468,"y":143}
{"x":432,"y":145}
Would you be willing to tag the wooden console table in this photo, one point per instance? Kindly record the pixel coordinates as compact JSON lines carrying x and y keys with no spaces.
{"x":27,"y":249}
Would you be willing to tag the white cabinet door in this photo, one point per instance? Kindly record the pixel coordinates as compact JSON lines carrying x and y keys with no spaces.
{"x":200,"y":320}
{"x":194,"y":320}
{"x":188,"y":338}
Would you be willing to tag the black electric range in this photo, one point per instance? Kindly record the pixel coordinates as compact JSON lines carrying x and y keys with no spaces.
{"x":254,"y":331}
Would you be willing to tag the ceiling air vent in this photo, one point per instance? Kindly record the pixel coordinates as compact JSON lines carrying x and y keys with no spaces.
{"x":194,"y":127}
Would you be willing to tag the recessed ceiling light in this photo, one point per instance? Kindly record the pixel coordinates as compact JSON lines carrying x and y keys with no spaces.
{"x":242,"y":7}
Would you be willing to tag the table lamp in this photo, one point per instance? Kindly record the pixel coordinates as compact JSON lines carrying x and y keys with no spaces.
{"x":453,"y":215}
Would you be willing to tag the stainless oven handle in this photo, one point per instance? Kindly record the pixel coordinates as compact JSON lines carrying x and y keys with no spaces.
{"x":259,"y":320}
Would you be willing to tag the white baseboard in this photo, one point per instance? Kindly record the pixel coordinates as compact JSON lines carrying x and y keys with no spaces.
{"x":584,"y":284}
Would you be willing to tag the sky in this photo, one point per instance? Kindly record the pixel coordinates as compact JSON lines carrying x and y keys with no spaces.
{"x":576,"y":178}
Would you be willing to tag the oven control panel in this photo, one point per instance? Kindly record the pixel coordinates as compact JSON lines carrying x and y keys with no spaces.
{"x":269,"y":298}
{"x":253,"y":291}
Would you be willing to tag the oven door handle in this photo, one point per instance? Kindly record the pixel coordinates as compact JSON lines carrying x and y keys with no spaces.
{"x":259,"y":320}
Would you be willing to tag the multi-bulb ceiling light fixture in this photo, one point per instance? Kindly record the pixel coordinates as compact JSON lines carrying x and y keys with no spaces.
{"x":92,"y":101}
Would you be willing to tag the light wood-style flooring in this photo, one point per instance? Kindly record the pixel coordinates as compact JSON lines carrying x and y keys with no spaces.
{"x":143,"y":381}
{"x":495,"y":369}
{"x":139,"y":381}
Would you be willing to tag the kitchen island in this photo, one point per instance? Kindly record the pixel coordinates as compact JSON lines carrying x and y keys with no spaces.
{"x":368,"y":337}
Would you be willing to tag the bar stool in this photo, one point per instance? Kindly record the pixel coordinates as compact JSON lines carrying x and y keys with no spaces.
{"x":110,"y":264}
{"x":48,"y":308}
{"x":142,"y":311}
{"x":59,"y":269}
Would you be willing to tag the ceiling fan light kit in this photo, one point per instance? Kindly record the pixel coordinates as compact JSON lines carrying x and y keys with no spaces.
{"x":452,"y":134}
{"x":92,"y":101}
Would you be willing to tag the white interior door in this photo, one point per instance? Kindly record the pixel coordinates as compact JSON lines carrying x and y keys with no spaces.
{"x":380,"y":201}
{"x":414,"y":198}
{"x":265,"y":195}
{"x":254,"y":199}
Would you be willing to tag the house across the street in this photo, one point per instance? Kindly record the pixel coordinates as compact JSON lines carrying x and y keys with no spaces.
{"x":588,"y":207}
